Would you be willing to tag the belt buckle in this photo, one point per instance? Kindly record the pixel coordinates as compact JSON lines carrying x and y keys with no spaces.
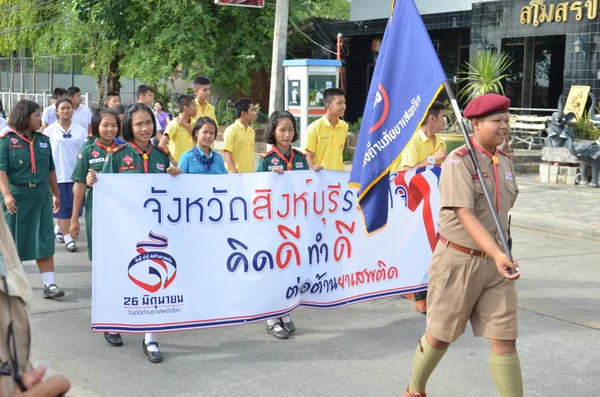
{"x":32,"y":185}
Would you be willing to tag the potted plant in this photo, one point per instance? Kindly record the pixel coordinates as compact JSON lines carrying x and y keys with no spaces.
{"x":483,"y":75}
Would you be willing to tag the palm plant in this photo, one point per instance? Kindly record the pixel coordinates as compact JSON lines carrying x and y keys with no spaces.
{"x":484,"y":74}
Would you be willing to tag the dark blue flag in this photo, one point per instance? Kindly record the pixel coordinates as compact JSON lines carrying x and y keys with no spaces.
{"x":408,"y":77}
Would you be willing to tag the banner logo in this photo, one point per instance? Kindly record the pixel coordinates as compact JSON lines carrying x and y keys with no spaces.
{"x":381,"y":96}
{"x":162,"y":268}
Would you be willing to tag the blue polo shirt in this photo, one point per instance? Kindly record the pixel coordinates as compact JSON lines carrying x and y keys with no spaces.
{"x":198,"y":163}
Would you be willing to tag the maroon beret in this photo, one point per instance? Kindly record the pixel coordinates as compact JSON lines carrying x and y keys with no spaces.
{"x":486,"y":105}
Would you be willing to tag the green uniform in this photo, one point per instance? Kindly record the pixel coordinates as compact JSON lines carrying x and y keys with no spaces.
{"x":127,"y":159}
{"x":28,"y":165}
{"x":273,"y":159}
{"x":92,"y":156}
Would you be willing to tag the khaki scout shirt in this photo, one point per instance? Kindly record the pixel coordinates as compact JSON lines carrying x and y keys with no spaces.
{"x":461,"y":188}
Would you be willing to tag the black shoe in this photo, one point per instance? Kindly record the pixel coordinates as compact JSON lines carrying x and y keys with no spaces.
{"x":153,"y":357}
{"x":113,"y":339}
{"x":59,"y":237}
{"x":289,"y":327}
{"x":277,"y":331}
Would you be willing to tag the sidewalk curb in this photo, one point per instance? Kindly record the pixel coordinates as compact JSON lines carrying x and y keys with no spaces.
{"x":555,"y":226}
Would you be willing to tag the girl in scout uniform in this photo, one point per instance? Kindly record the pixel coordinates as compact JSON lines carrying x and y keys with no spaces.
{"x":106,"y":127}
{"x":281,"y":132}
{"x":30,"y":191}
{"x":138,"y":156}
{"x":66,"y":138}
{"x":202,"y":159}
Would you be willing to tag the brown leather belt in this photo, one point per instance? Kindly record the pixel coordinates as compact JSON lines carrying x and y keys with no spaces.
{"x":464,"y":250}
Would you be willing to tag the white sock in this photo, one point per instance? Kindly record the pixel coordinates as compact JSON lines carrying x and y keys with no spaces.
{"x":272,"y":321}
{"x":68,"y":238}
{"x":57,"y":229}
{"x":48,"y":278}
{"x":149,"y":337}
{"x":286,"y":319}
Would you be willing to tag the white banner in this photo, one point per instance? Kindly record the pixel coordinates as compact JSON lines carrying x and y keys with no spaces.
{"x":200,"y":251}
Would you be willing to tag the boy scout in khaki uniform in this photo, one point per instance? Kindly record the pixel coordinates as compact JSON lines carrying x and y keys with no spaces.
{"x":470,"y":277}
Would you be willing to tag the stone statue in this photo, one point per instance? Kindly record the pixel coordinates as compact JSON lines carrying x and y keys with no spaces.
{"x":559,"y":126}
{"x":587,"y":153}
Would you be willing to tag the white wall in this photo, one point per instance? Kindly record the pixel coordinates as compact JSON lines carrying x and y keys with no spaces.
{"x":377,"y":9}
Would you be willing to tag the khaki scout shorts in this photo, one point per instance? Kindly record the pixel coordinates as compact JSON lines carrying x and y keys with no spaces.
{"x":463,"y":287}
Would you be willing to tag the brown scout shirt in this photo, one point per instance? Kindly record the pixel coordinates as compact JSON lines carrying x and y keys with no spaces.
{"x":20,"y":291}
{"x":460,"y":188}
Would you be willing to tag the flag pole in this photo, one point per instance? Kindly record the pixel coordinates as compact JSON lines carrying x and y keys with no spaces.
{"x":486,"y":192}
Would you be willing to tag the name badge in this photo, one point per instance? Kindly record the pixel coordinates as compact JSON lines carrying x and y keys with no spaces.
{"x":275,"y":167}
{"x":98,"y":160}
{"x":43,"y":145}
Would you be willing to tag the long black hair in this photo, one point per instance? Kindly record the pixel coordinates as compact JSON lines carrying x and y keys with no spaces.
{"x":127,"y":123}
{"x":97,"y":117}
{"x":274,"y":119}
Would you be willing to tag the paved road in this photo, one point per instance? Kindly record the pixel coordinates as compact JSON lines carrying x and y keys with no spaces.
{"x":361,"y":350}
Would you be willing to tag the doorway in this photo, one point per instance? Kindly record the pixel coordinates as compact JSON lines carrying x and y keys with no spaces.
{"x":536,"y":75}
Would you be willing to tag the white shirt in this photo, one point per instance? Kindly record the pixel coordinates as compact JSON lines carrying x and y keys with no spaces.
{"x":49,"y":115}
{"x":3,"y":123}
{"x":82,"y":116}
{"x":65,"y":150}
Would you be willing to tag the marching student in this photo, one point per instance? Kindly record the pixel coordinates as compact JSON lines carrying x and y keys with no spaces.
{"x":178,"y":137}
{"x":281,"y":132}
{"x":239,"y":139}
{"x":30,"y":191}
{"x":327,"y":136}
{"x":471,"y":279}
{"x":202,"y":91}
{"x":82,"y":114}
{"x":201,"y":159}
{"x":161,"y":116}
{"x":106,"y":127}
{"x":113,"y":99}
{"x":49,"y":114}
{"x":138,"y":156}
{"x":66,"y":138}
{"x":145,"y":96}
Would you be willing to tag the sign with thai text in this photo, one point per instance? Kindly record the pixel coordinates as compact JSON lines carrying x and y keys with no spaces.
{"x":242,"y":3}
{"x":194,"y":251}
{"x":538,"y":12}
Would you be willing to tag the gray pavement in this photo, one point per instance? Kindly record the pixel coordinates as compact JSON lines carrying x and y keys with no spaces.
{"x":360,"y":350}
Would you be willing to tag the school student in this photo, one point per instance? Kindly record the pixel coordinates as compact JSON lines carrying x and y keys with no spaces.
{"x":281,"y":132}
{"x":106,"y":127}
{"x":178,"y":136}
{"x":201,"y":159}
{"x":30,"y":191}
{"x":113,"y":99}
{"x":138,"y":156}
{"x":49,"y":114}
{"x":82,"y":114}
{"x":66,"y":138}
{"x":202,"y":91}
{"x":239,"y":139}
{"x":145,"y":96}
{"x":161,"y":116}
{"x":327,"y":135}
{"x":121,"y":109}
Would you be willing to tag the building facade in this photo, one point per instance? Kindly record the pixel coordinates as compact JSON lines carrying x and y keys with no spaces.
{"x":552,"y":44}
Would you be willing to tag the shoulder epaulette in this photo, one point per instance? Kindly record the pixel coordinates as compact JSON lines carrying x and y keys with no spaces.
{"x":164,"y":151}
{"x":300,"y":152}
{"x":42,"y":134}
{"x":115,"y":150}
{"x":462,"y":151}
{"x":267,"y":154}
{"x":5,"y":133}
{"x":504,"y":153}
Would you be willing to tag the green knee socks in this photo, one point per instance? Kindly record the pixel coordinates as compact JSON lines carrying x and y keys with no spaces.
{"x":506,"y":372}
{"x":426,"y":359}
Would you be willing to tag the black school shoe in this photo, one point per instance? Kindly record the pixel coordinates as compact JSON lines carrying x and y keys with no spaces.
{"x":153,"y":357}
{"x":71,"y":246}
{"x":59,"y":237}
{"x":113,"y":339}
{"x":277,"y":331}
{"x":289,"y":327}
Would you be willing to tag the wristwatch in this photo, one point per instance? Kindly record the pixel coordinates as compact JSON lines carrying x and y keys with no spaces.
{"x":431,"y":159}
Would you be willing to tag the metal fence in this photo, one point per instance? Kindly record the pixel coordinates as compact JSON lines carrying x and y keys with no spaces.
{"x":9,"y":99}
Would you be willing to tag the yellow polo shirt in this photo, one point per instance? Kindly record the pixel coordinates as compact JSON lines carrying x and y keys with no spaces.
{"x":240,"y":141}
{"x":418,"y":149}
{"x":180,"y":140}
{"x":209,"y":111}
{"x":327,"y":143}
